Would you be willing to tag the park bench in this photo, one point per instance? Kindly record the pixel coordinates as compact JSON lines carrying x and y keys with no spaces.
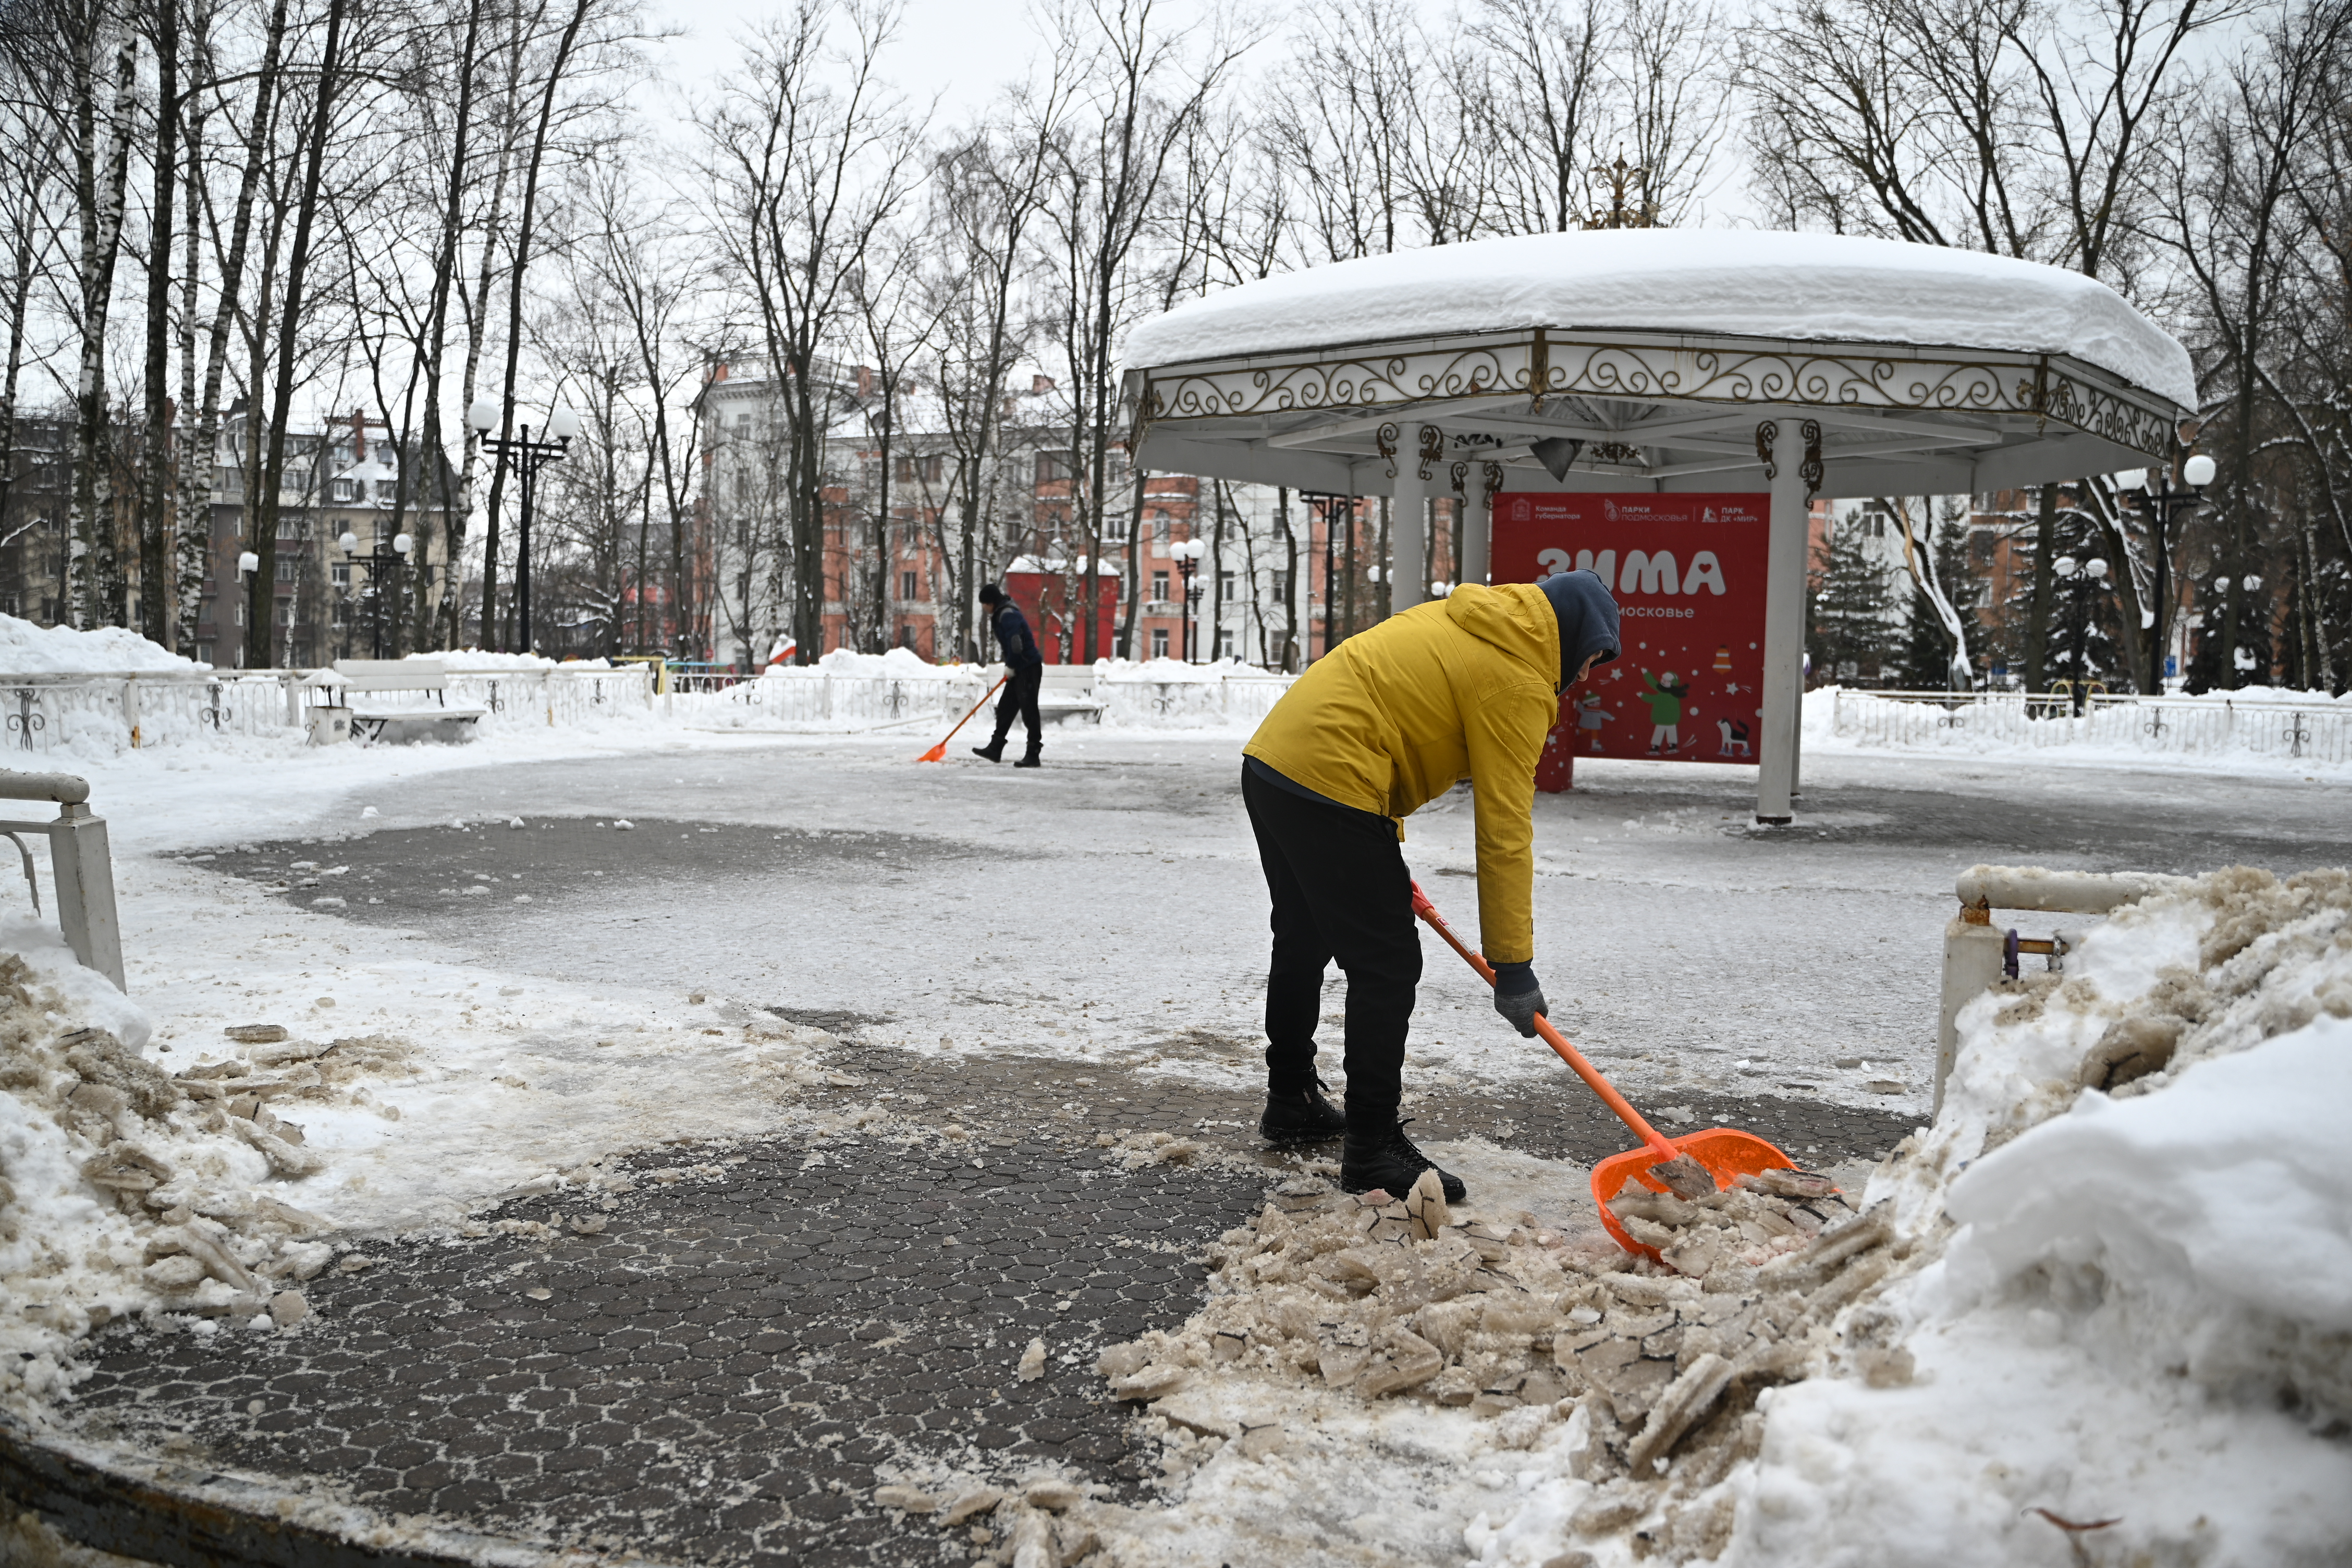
{"x":375,"y":721}
{"x":1066,"y":692}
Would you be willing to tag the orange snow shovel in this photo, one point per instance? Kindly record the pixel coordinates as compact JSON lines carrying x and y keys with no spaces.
{"x":938,"y":754}
{"x":1722,"y":1153}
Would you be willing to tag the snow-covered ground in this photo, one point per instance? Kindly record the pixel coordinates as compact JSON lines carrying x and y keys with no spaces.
{"x":1108,"y":908}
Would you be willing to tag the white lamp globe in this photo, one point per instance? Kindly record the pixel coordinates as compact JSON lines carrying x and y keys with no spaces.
{"x":563,"y":425}
{"x":2250,"y":581}
{"x":403,"y":543}
{"x":2095,"y":567}
{"x":483,"y":415}
{"x":2063,"y":566}
{"x":2198,"y":471}
{"x":248,"y":562}
{"x":2132,"y":480}
{"x":349,"y":541}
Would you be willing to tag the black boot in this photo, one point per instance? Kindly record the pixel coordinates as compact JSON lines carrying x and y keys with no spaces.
{"x":1029,"y":759}
{"x":994,"y":750}
{"x":1301,"y":1116}
{"x":1384,"y":1157}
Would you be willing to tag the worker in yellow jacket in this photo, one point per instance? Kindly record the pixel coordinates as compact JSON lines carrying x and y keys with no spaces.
{"x":1465,"y":686}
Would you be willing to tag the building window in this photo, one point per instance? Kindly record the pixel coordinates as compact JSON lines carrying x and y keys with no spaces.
{"x":1160,"y":642}
{"x":1053,"y":468}
{"x":1225,"y":642}
{"x":346,"y":489}
{"x":1225,"y":585}
{"x":1281,"y":586}
{"x":1114,"y":529}
{"x":907,"y":638}
{"x":910,"y":587}
{"x":1159,"y":533}
{"x":1159,"y":587}
{"x":341,"y":574}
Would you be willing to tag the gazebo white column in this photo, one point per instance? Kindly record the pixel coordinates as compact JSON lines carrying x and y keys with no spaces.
{"x":1792,"y":466}
{"x":1408,"y":513}
{"x":1476,"y":483}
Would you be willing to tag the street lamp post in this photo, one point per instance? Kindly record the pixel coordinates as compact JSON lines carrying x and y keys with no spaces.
{"x":247,"y":563}
{"x":2155,"y":494}
{"x":1187,"y":553}
{"x":383,"y":563}
{"x":527,"y":455}
{"x":2086,"y":576}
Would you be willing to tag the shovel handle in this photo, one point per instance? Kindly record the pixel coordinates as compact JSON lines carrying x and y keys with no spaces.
{"x":1551,"y":1036}
{"x":974,"y":709}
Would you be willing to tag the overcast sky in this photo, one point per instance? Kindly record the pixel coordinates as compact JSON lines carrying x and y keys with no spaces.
{"x":962,"y":52}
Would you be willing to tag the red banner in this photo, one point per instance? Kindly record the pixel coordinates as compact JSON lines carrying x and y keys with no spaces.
{"x":1688,"y":575}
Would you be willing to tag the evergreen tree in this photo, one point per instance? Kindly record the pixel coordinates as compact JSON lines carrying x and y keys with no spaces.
{"x":1853,"y":609}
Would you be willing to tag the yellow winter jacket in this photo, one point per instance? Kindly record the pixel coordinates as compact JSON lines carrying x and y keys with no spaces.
{"x":1465,"y":686}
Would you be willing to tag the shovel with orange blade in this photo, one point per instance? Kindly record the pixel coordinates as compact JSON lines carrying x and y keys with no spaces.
{"x":938,"y":754}
{"x":1719,"y":1155}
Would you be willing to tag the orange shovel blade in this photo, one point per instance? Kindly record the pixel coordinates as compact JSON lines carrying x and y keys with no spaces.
{"x":938,"y":753}
{"x":1727,"y":1155}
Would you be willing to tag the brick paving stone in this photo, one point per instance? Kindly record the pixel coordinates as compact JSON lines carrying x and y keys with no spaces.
{"x":717,"y":1378}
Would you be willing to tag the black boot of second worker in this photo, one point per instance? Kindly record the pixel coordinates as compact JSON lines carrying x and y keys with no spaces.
{"x":994,"y":750}
{"x":1382,"y":1156}
{"x":1301,"y":1116}
{"x":1033,"y":757}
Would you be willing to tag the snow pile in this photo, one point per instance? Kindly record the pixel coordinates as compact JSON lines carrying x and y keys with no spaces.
{"x":123,"y":1189}
{"x":1617,"y":1365}
{"x":29,"y":649}
{"x":477,"y":658}
{"x":1171,"y":669}
{"x":1815,"y":287}
{"x":2104,"y":1306}
{"x":895,"y":664}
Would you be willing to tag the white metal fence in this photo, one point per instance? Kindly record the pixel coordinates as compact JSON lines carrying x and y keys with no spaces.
{"x":820,"y":699}
{"x":126,"y":709}
{"x":2318,"y":731}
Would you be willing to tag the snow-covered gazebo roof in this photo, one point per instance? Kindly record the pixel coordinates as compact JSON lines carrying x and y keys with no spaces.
{"x":1657,"y":352}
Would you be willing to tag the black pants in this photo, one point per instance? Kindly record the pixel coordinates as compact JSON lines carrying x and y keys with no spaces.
{"x":1341,"y":891}
{"x":1019,"y":696}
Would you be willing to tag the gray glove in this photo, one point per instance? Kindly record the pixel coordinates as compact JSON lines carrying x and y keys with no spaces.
{"x":1518,"y":998}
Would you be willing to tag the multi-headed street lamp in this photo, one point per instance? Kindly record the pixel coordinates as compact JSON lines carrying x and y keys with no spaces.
{"x":1187,"y":553}
{"x":526,"y":454}
{"x":2086,"y":576}
{"x":383,"y":563}
{"x":2152,"y":490}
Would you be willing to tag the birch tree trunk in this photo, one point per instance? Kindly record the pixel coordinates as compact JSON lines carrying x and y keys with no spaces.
{"x":102,"y":176}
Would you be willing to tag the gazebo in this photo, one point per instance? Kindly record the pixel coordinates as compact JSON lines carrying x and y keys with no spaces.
{"x":1649,"y":361}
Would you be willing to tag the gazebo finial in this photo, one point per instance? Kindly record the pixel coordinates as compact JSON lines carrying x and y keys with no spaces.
{"x":1617,"y":214}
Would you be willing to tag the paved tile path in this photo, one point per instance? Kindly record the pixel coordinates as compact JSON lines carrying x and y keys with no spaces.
{"x":719,"y":1374}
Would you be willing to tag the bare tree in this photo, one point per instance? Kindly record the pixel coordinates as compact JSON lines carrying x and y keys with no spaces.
{"x":807,"y":166}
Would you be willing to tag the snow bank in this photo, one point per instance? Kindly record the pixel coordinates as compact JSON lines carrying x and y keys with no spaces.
{"x":476,"y":658}
{"x":1171,"y":669}
{"x":896,"y":664}
{"x":2102,"y":1306}
{"x":29,"y":649}
{"x":1812,"y":287}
